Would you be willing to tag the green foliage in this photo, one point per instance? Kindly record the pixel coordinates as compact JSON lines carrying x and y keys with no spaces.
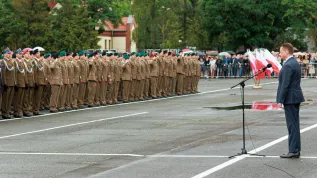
{"x":8,"y":22}
{"x":205,"y":24}
{"x":30,"y":23}
{"x":249,"y":23}
{"x":222,"y":25}
{"x":71,"y":29}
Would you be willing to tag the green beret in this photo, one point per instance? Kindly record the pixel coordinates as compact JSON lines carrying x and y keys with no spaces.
{"x":90,"y":55}
{"x":62,"y":53}
{"x":126,"y":57}
{"x":133,"y":53}
{"x":47,"y":55}
{"x":1,"y":57}
{"x":81,"y":53}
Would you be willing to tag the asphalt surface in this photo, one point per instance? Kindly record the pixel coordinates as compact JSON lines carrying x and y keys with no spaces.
{"x":170,"y":137}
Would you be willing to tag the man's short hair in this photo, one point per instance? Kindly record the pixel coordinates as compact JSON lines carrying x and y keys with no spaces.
{"x":289,"y":47}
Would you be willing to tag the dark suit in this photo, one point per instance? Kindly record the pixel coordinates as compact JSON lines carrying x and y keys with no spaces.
{"x":290,"y":94}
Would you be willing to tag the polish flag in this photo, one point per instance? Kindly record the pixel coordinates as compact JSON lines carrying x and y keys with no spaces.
{"x":261,"y":63}
{"x":252,"y":60}
{"x":276,"y":66}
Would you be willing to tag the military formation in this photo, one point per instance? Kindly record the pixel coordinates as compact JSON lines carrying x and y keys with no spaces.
{"x":32,"y":82}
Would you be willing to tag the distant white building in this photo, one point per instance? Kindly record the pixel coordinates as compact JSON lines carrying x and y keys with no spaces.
{"x":118,"y":38}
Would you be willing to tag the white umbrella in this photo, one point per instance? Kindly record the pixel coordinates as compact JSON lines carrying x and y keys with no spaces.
{"x":224,"y":54}
{"x":38,"y":48}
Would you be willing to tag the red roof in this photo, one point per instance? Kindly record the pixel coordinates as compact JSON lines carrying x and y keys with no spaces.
{"x":109,"y":26}
{"x":52,"y":4}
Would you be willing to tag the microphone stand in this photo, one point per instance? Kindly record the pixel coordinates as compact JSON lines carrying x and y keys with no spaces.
{"x":242,"y":84}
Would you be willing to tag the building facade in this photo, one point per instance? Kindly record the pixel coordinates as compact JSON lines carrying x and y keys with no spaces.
{"x":118,"y":38}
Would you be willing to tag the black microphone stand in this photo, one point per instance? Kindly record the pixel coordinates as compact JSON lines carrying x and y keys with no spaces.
{"x":242,"y":84}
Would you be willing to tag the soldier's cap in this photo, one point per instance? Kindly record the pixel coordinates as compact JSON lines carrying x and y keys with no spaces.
{"x":47,"y":55}
{"x":35,"y":51}
{"x":81,"y":53}
{"x":104,"y":53}
{"x":62,"y":53}
{"x":109,"y":54}
{"x":7,"y":50}
{"x":115,"y":54}
{"x":177,"y":55}
{"x":126,"y":57}
{"x":18,"y":51}
{"x":69,"y":53}
{"x":90,"y":55}
{"x":1,"y":57}
{"x":133,"y":53}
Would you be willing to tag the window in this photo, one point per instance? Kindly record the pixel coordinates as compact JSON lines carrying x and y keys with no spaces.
{"x":109,"y":44}
{"x":105,"y":44}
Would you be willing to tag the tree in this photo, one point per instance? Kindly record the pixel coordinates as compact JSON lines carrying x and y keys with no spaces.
{"x":302,"y":15}
{"x":11,"y":31}
{"x":32,"y":17}
{"x":250,"y":23}
{"x":71,"y":29}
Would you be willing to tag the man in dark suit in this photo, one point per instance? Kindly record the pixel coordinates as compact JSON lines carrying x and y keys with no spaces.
{"x":289,"y":93}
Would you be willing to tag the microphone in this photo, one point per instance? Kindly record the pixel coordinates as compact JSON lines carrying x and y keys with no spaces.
{"x":267,"y":66}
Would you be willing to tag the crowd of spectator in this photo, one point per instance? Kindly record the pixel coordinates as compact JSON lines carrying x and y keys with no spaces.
{"x":238,"y":66}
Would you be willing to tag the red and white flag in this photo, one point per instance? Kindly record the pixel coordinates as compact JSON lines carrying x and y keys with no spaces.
{"x":253,"y":65}
{"x":276,"y":66}
{"x":261,"y":63}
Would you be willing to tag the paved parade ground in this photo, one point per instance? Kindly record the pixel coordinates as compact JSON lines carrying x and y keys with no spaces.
{"x":181,"y":136}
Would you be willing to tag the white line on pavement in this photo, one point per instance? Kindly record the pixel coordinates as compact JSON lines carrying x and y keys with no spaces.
{"x":138,"y":155}
{"x":152,"y":100}
{"x":70,"y":125}
{"x":69,"y":154}
{"x":239,"y":158}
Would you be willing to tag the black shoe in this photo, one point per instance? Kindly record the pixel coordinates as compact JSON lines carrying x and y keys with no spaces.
{"x":37,"y":114}
{"x":6,"y":117}
{"x":17,"y":116}
{"x":291,"y":155}
{"x":53,"y":111}
{"x":27,"y":115}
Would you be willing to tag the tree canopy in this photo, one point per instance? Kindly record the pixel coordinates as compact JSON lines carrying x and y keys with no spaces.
{"x":223,"y":25}
{"x":31,"y":23}
{"x":204,"y":24}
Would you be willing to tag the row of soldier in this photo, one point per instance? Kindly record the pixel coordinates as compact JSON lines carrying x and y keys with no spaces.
{"x":71,"y":81}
